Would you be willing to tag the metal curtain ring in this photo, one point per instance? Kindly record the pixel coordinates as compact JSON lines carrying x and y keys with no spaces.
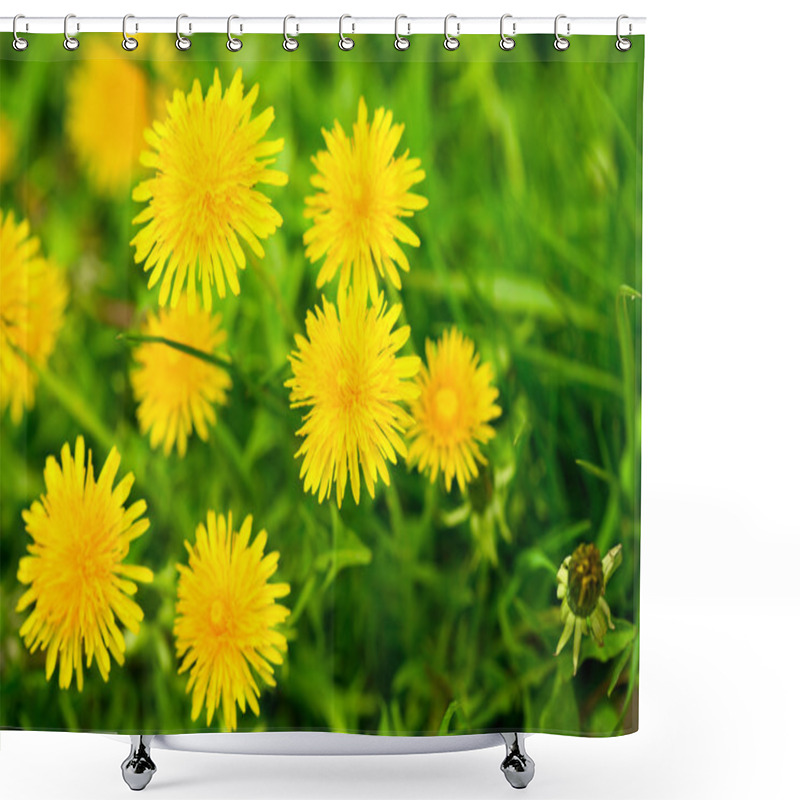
{"x":345,"y":42}
{"x":290,"y":44}
{"x":451,"y":42}
{"x":234,"y":44}
{"x":181,"y":42}
{"x":18,"y":43}
{"x":400,"y":42}
{"x":506,"y":42}
{"x":623,"y":45}
{"x":70,"y":42}
{"x":561,"y":43}
{"x":128,"y":42}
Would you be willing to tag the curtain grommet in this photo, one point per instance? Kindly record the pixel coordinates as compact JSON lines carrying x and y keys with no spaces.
{"x":70,"y":42}
{"x":19,"y":44}
{"x":560,"y":43}
{"x":622,"y":44}
{"x":233,"y":44}
{"x":290,"y":43}
{"x":345,"y":42}
{"x":451,"y":42}
{"x":128,"y":42}
{"x":181,"y":42}
{"x":401,"y":42}
{"x":507,"y":42}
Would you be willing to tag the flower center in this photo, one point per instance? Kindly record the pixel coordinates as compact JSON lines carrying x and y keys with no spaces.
{"x":352,"y":391}
{"x":218,"y":616}
{"x":362,"y":199}
{"x":446,"y":404}
{"x":585,"y":583}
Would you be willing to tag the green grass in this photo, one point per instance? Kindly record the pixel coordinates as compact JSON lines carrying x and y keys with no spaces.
{"x":402,"y":621}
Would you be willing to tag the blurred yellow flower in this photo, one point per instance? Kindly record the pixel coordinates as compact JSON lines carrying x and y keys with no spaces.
{"x":363,"y":193}
{"x":582,"y":580}
{"x":348,"y":374}
{"x":453,"y":411}
{"x":106,"y":115}
{"x":8,"y":146}
{"x":208,"y":156}
{"x":81,"y":588}
{"x":33,"y":295}
{"x":226,"y":618}
{"x":176,"y":390}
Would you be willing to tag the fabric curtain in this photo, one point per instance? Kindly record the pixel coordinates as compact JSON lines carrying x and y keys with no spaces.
{"x":320,"y":385}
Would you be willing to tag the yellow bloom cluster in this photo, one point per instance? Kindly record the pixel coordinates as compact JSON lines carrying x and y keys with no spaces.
{"x":33,"y":295}
{"x":344,"y":370}
{"x":209,"y":155}
{"x":363,"y":401}
{"x":80,"y":590}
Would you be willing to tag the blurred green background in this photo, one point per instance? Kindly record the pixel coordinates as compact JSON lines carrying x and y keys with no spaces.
{"x":420,"y":611}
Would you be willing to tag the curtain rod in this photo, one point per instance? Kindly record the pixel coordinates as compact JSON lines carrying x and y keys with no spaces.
{"x":408,"y":26}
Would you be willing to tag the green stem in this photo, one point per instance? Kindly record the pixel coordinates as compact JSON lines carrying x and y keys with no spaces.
{"x":139,"y":338}
{"x":395,"y":510}
{"x":260,"y":391}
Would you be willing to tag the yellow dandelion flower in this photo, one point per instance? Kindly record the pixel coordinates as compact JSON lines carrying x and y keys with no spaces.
{"x":33,"y":295}
{"x":453,"y":412}
{"x":81,"y":588}
{"x":363,"y":194}
{"x":226,"y":618}
{"x":176,"y":390}
{"x":209,"y":155}
{"x":346,"y":370}
{"x":106,"y":116}
{"x":582,"y":580}
{"x":7,"y":147}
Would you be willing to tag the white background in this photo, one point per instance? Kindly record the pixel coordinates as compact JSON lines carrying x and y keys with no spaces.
{"x":721,"y":442}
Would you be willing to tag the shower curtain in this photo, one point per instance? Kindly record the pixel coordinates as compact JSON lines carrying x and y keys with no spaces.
{"x":320,"y":385}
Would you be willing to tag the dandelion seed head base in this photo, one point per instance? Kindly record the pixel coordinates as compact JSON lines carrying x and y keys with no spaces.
{"x":581,"y":584}
{"x":585,"y":583}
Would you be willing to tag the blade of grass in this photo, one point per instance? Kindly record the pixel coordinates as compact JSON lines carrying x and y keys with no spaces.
{"x":598,"y":472}
{"x":569,"y":370}
{"x":210,"y":358}
{"x":619,"y":666}
{"x":444,"y":727}
{"x":632,"y":682}
{"x":629,"y":382}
